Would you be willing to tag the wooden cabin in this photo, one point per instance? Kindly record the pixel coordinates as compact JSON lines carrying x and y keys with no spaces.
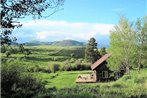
{"x":101,"y":70}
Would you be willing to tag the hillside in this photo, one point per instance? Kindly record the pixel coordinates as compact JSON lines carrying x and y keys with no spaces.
{"x":36,"y":43}
{"x":68,"y":43}
{"x":55,"y":43}
{"x":61,"y":43}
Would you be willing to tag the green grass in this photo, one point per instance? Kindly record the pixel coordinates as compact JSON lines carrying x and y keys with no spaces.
{"x":69,"y":78}
{"x":133,"y":85}
{"x":60,"y":79}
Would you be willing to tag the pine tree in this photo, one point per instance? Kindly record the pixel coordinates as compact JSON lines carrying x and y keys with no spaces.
{"x":91,"y":52}
{"x":103,"y":51}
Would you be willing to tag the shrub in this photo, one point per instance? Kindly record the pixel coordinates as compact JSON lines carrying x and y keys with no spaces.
{"x":67,"y":68}
{"x":38,"y":69}
{"x":14,"y":84}
{"x":8,"y":53}
{"x":82,"y":66}
{"x":55,"y":59}
{"x":72,"y":60}
{"x":3,"y":49}
{"x":72,"y":55}
{"x":28,"y":87}
{"x":44,"y":70}
{"x":54,"y":67}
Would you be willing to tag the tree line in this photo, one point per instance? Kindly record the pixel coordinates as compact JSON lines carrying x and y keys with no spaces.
{"x":128,"y":46}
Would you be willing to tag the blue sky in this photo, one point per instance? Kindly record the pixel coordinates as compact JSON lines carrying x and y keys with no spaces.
{"x":80,"y":20}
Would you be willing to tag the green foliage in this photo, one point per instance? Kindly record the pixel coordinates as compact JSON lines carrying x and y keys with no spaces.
{"x":91,"y":52}
{"x":129,"y":44}
{"x":15,"y":84}
{"x":54,"y":67}
{"x":3,"y":49}
{"x":103,"y":51}
{"x":21,"y":48}
{"x":72,"y":55}
{"x":8,"y":53}
{"x":27,"y":52}
{"x":122,"y":45}
{"x":141,"y":40}
{"x":72,"y":60}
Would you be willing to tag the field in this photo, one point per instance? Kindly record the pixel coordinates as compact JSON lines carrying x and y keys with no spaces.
{"x":41,"y":57}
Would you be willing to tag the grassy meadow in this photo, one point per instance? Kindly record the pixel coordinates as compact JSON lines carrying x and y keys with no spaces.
{"x":38,"y":63}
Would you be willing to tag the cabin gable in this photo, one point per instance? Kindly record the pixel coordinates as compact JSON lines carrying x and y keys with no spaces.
{"x":101,"y":69}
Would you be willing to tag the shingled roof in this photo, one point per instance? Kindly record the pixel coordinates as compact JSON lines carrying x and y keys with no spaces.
{"x":101,"y":60}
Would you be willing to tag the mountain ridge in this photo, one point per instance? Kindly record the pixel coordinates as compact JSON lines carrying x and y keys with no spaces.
{"x":55,"y":43}
{"x":61,"y":43}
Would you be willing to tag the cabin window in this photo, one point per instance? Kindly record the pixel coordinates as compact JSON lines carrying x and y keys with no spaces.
{"x":105,"y":74}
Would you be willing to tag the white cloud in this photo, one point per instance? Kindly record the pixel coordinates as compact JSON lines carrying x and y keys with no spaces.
{"x":59,"y":30}
{"x":22,"y":34}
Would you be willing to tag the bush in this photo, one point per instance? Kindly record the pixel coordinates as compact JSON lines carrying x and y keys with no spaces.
{"x":8,"y":53}
{"x":72,"y":60}
{"x":67,"y":68}
{"x":72,"y":55}
{"x":3,"y":49}
{"x":38,"y":69}
{"x":54,"y":67}
{"x":74,"y":66}
{"x":55,"y":59}
{"x":82,"y":66}
{"x":14,"y":84}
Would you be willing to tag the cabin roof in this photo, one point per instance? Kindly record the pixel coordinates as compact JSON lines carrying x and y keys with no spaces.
{"x":99,"y":61}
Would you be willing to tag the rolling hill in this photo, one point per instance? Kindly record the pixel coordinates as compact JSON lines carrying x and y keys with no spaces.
{"x":55,"y":43}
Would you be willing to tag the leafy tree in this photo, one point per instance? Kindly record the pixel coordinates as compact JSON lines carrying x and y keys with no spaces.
{"x":13,"y":10}
{"x":103,"y":51}
{"x":91,"y":52}
{"x":141,"y":41}
{"x":122,"y":45}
